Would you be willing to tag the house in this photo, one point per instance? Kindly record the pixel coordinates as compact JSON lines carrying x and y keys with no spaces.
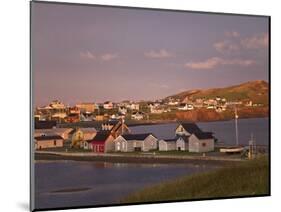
{"x":187,"y":129}
{"x":185,"y":107}
{"x":137,"y":115}
{"x":101,"y":143}
{"x":182,"y":143}
{"x":72,"y":118}
{"x":122,"y":110}
{"x":115,"y":127}
{"x":108,"y":105}
{"x":80,"y":135}
{"x":135,"y":142}
{"x":167,"y":144}
{"x":201,"y":142}
{"x":63,"y":132}
{"x":45,"y":141}
{"x":45,"y":124}
{"x":87,"y":107}
{"x":133,"y":106}
{"x":73,"y":115}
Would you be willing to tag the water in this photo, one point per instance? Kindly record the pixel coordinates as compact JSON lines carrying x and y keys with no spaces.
{"x":224,"y":131}
{"x":107,"y":183}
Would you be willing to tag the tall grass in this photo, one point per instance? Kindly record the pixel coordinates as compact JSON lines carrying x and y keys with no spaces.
{"x":247,"y":179}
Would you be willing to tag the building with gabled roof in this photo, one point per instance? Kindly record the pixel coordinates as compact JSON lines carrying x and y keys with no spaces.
{"x":201,"y":142}
{"x":135,"y":142}
{"x":167,"y":144}
{"x":48,"y":141}
{"x":182,"y":142}
{"x":101,"y":143}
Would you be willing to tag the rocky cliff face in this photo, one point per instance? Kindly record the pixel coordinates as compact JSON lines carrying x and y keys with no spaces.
{"x":211,"y":115}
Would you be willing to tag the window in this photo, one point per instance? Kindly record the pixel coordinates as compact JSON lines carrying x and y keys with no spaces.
{"x":204,"y":144}
{"x":55,"y":142}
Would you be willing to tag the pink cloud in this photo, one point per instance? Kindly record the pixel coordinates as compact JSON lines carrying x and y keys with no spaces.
{"x":108,"y":57}
{"x":255,"y":42}
{"x":217,"y":61}
{"x":226,"y":46}
{"x":158,"y":54}
{"x":87,"y":55}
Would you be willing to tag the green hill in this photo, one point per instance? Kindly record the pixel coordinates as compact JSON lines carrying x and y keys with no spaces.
{"x":247,"y":179}
{"x":257,"y":91}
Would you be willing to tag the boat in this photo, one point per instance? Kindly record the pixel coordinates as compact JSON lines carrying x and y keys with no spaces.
{"x":235,"y":149}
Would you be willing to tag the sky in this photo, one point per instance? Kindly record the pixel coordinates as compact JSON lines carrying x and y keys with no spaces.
{"x":94,"y":54}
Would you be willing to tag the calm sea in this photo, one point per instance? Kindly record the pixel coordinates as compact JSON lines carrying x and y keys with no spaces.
{"x":100,"y":183}
{"x":58,"y":182}
{"x":224,"y":131}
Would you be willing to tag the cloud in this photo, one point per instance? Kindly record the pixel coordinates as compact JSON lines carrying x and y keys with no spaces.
{"x":226,"y":46}
{"x":104,"y":57}
{"x":87,"y":55}
{"x":108,"y":57}
{"x":158,"y":54}
{"x":232,"y":34}
{"x":257,"y":41}
{"x":217,"y":61}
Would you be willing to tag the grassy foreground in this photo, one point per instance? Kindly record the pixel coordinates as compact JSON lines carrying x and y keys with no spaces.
{"x":248,"y":178}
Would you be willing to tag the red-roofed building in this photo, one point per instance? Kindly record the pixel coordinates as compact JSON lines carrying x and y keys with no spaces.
{"x":101,"y":143}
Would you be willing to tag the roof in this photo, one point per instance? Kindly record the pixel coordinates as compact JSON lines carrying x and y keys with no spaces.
{"x":53,"y":130}
{"x":84,"y":130}
{"x":191,"y":127}
{"x":142,"y":136}
{"x":45,"y":124}
{"x":47,"y":137}
{"x":204,"y":135}
{"x":170,"y":140}
{"x":184,"y":137}
{"x":100,"y":136}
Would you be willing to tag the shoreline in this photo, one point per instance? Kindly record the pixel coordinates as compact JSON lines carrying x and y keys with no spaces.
{"x":118,"y":158}
{"x":150,"y":122}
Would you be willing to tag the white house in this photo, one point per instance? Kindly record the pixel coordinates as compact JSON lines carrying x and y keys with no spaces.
{"x":122,"y":110}
{"x":133,"y":106}
{"x":137,"y":115}
{"x":201,"y":142}
{"x":167,"y":144}
{"x":182,"y":143}
{"x":108,"y":105}
{"x":135,"y":142}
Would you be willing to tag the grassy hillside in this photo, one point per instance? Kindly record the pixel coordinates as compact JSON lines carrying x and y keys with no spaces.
{"x":257,"y":91}
{"x":248,"y":178}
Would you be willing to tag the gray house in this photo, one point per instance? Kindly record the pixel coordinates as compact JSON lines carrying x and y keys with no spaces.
{"x":167,"y":144}
{"x":201,"y":142}
{"x":182,"y":143}
{"x":135,"y":142}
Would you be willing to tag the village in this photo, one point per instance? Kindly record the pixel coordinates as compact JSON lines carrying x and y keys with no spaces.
{"x":115,"y":136}
{"x":130,"y":110}
{"x":102,"y":128}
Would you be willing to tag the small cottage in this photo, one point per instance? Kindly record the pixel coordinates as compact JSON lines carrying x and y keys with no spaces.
{"x":135,"y":142}
{"x":101,"y":143}
{"x":182,"y":143}
{"x":167,"y":144}
{"x":45,"y":141}
{"x":63,"y":132}
{"x":80,"y":135}
{"x":201,"y":142}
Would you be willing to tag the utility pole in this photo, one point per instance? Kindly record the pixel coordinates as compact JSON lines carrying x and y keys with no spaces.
{"x":236,"y":127}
